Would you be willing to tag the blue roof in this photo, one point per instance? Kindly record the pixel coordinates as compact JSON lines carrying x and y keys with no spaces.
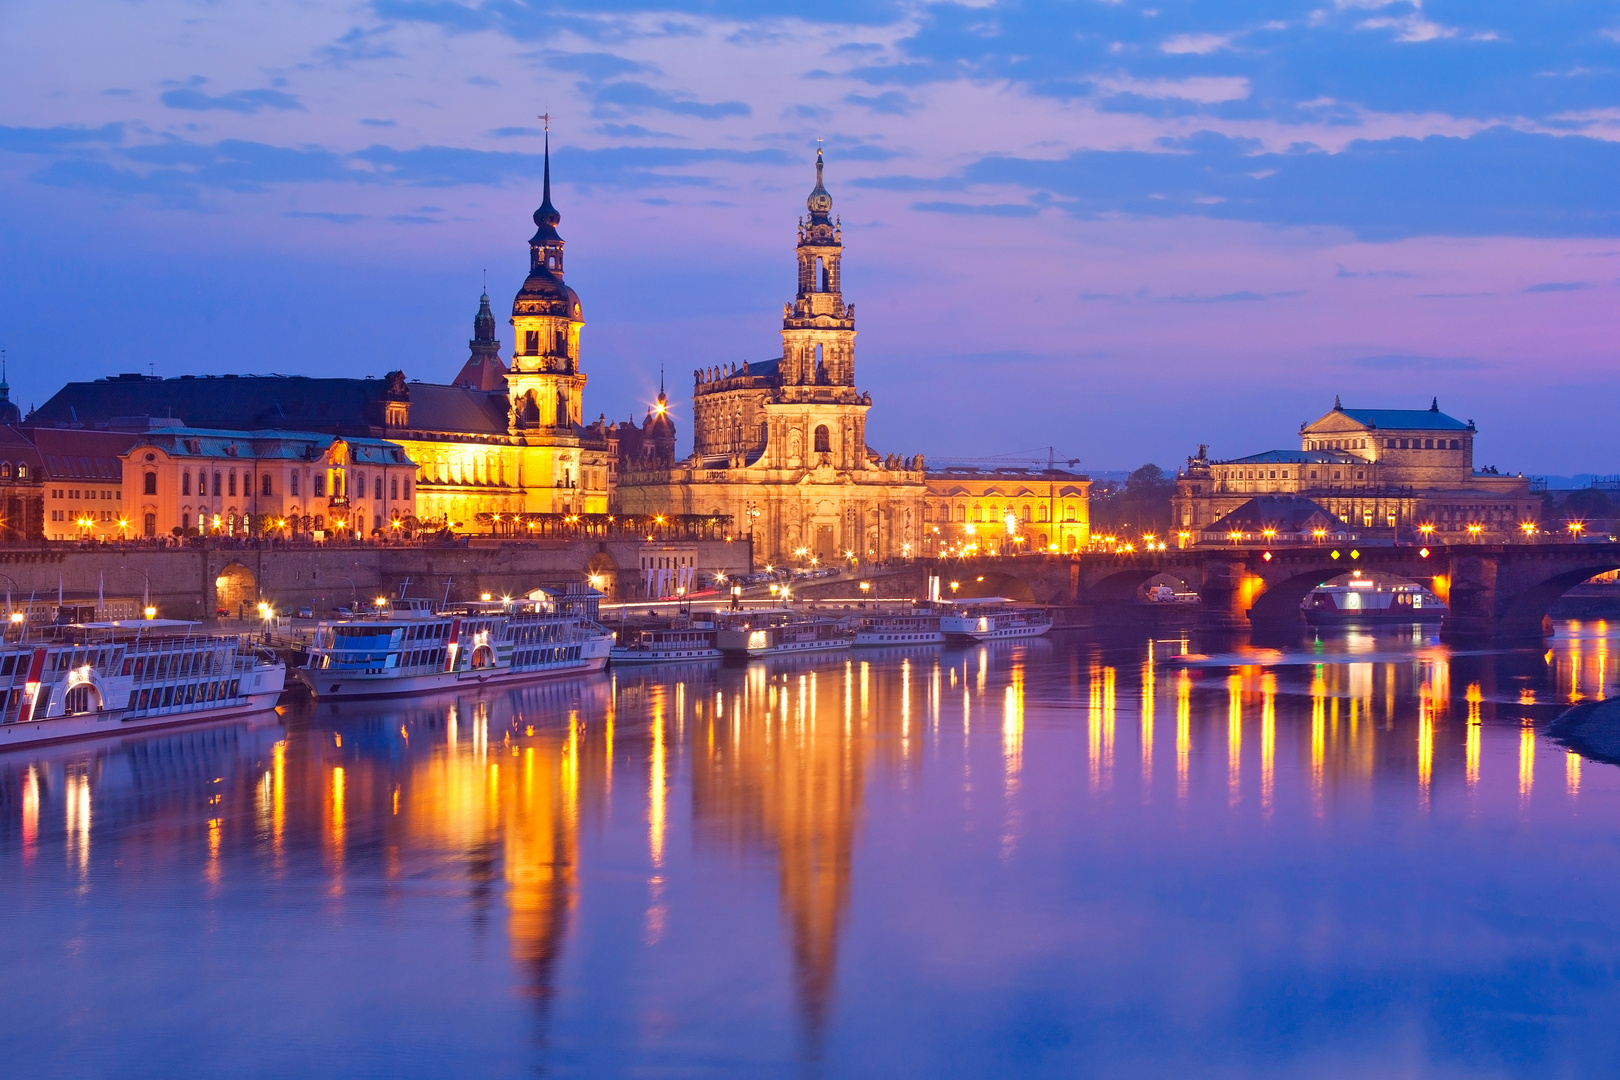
{"x":1296,"y":457}
{"x":1405,"y":419}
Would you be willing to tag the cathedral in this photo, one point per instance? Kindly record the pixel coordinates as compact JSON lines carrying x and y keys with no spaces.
{"x":779,"y":446}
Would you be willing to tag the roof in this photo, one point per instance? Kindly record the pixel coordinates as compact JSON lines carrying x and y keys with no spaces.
{"x":1406,"y":419}
{"x":81,"y":455}
{"x":1285,"y":513}
{"x":267,"y":445}
{"x":1295,"y":457}
{"x":266,"y":402}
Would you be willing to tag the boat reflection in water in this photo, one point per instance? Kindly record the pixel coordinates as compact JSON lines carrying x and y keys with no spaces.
{"x":840,"y":859}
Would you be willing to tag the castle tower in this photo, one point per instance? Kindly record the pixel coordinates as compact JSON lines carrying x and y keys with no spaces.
{"x":544,"y":382}
{"x":483,"y":369}
{"x":818,"y":328}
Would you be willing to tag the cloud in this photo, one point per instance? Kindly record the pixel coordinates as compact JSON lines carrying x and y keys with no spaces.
{"x":889,"y":103}
{"x":21,"y":140}
{"x":374,"y":122}
{"x":620,"y":98}
{"x":190,"y":97}
{"x":1194,"y":44}
{"x":1203,"y":89}
{"x":358,"y":44}
{"x":988,"y":210}
{"x":325,"y":215}
{"x":1497,"y":182}
{"x":1557,"y":286}
{"x":1401,"y":362}
{"x":595,"y":65}
{"x":1343,"y":272}
{"x":1244,"y":296}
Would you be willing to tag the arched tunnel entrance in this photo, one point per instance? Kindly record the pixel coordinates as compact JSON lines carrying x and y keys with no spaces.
{"x":235,"y":590}
{"x":981,"y":584}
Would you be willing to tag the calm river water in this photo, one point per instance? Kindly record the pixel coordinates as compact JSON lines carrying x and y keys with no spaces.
{"x":1358,"y":856}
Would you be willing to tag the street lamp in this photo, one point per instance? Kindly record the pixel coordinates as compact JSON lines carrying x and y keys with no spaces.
{"x":1528,"y":528}
{"x":1575,"y":529}
{"x":1474,"y":531}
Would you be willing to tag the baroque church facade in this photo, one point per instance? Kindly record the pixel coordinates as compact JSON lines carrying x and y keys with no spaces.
{"x":779,"y":447}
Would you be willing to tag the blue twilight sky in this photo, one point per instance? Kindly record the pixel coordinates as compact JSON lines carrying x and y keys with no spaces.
{"x":1119,"y":228}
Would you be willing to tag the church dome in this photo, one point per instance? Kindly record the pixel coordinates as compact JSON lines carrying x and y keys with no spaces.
{"x":544,"y":293}
{"x":819,"y":202}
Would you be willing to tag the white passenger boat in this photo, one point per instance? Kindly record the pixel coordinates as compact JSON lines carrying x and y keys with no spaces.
{"x":1371,"y":600}
{"x":781,"y":633}
{"x":674,"y":642}
{"x":907,"y":628}
{"x":113,"y":678}
{"x":994,"y":622}
{"x":409,"y":648}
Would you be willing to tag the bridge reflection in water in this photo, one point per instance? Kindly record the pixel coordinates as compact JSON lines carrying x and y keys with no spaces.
{"x":604,"y":837}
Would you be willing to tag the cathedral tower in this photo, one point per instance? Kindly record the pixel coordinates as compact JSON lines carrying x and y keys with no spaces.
{"x":545,"y":382}
{"x":818,"y":328}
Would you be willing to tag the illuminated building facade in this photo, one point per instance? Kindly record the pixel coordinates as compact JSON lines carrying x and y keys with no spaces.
{"x":500,"y":439}
{"x":1404,"y":473}
{"x":183,"y":481}
{"x":1005,"y":511}
{"x":779,"y":447}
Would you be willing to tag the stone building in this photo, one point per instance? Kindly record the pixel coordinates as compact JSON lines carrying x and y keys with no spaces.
{"x":186,"y":480}
{"x":499,"y":439}
{"x":1049,"y":510}
{"x":779,"y":446}
{"x":1396,"y":473}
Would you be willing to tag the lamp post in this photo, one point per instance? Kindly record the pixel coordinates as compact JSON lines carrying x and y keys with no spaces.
{"x":753,"y":516}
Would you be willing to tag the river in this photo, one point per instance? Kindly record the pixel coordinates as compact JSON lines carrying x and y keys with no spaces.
{"x":1353,"y":856}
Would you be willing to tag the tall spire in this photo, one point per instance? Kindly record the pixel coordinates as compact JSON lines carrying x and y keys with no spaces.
{"x":547,"y":218}
{"x":819,"y":202}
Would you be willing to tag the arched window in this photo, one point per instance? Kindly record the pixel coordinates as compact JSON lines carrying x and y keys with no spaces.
{"x":218,"y":490}
{"x":377,"y":485}
{"x":292,"y":484}
{"x":185,"y":482}
{"x":5,"y":469}
{"x":149,"y":484}
{"x":978,"y":512}
{"x":823,"y":437}
{"x":1026,"y":512}
{"x":961,"y":512}
{"x":531,"y":342}
{"x":393,"y":488}
{"x":264,"y":485}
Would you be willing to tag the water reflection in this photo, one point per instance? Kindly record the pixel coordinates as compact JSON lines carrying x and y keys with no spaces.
{"x":597,"y":849}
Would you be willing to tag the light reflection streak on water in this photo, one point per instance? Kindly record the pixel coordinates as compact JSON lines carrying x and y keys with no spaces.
{"x":1012,"y":750}
{"x":1318,"y":738}
{"x":1149,"y":691}
{"x":76,"y":819}
{"x":1268,"y":742}
{"x":1183,"y":732}
{"x":1094,"y":731}
{"x":335,"y":829}
{"x":1527,"y":761}
{"x":30,"y":813}
{"x":1425,"y":746}
{"x":1471,"y":747}
{"x":656,"y":822}
{"x":1572,"y":773}
{"x":1234,"y":739}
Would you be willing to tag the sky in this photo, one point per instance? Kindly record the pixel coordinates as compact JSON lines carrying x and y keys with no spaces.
{"x":1117,"y":229}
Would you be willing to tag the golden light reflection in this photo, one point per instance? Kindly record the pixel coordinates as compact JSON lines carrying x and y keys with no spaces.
{"x":655,"y":788}
{"x":1425,"y":748}
{"x":1094,"y":731}
{"x":211,"y":869}
{"x":1318,"y":739}
{"x":76,"y":810}
{"x":1527,"y":761}
{"x":1109,"y":675}
{"x":1471,"y":745}
{"x":1012,"y":750}
{"x":1572,"y":773}
{"x":1183,"y":732}
{"x":1234,"y":739}
{"x":278,"y":798}
{"x":1268,"y":742}
{"x":1149,"y":691}
{"x":336,"y":821}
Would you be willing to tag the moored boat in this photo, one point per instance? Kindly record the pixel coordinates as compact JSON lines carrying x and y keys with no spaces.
{"x":679,"y":641}
{"x":95,"y":679}
{"x":994,"y":622}
{"x":899,"y":628}
{"x":781,"y":633}
{"x":409,"y":648}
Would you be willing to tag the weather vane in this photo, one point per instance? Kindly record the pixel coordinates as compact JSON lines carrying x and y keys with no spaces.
{"x":546,"y":116}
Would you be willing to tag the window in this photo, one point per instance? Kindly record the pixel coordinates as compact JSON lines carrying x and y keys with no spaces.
{"x":823,"y":440}
{"x":185,"y":482}
{"x":531,"y":342}
{"x":393,"y":488}
{"x":150,"y":484}
{"x":1026,"y":512}
{"x":1456,"y":444}
{"x":1041,"y":514}
{"x":218,"y":479}
{"x":320,"y":485}
{"x":233,"y":483}
{"x":378,"y":486}
{"x":407,"y":487}
{"x":185,"y":522}
{"x":292,"y":484}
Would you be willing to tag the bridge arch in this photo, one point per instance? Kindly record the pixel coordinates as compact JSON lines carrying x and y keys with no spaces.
{"x":1522,"y":609}
{"x":979,"y":583}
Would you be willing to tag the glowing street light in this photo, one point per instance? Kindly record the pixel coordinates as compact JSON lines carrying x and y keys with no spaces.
{"x":1474,"y":530}
{"x":1575,"y":529}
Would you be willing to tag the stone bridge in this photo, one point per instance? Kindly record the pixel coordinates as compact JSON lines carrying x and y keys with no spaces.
{"x":1493,"y":591}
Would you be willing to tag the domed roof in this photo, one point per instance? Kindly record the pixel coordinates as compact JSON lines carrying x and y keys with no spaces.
{"x":544,"y":293}
{"x":819,"y":202}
